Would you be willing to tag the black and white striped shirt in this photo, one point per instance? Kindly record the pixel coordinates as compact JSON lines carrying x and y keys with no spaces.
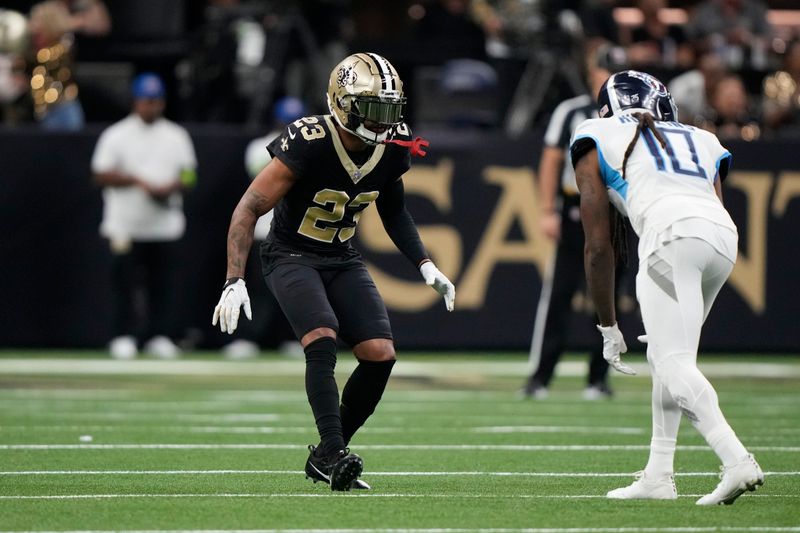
{"x":566,"y":117}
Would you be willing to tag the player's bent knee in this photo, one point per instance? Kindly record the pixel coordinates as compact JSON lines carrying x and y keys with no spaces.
{"x":375,"y":350}
{"x":316,"y":334}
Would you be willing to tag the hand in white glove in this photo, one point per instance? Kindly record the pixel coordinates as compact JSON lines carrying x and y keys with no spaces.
{"x":439,"y":282}
{"x":613,"y":346}
{"x":642,"y":338}
{"x":233,"y":297}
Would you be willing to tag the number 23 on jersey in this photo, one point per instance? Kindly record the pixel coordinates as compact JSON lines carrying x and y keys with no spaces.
{"x":337,"y":216}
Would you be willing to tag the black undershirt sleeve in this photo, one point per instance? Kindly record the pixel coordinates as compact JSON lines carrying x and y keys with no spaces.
{"x":724,"y":168}
{"x":580,"y":148}
{"x":398,"y":222}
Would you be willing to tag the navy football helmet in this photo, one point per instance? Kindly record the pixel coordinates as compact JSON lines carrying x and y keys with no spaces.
{"x":631,"y":89}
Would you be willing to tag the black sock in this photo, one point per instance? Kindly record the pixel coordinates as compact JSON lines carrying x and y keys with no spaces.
{"x":323,"y":394}
{"x":361,"y":394}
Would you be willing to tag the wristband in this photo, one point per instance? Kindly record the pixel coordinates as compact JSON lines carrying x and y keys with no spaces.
{"x":231,"y":281}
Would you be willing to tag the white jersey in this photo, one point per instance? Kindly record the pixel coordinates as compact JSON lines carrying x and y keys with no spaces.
{"x":664,"y":188}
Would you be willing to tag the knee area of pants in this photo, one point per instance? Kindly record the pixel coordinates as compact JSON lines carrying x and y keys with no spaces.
{"x":322,"y":349}
{"x":385,"y":355}
{"x":387,"y":363}
{"x":670,"y":365}
{"x":376,"y":351}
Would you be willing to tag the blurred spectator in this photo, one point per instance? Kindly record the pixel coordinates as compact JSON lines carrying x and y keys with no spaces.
{"x":53,"y":89}
{"x":599,"y":26}
{"x":208,"y":76}
{"x":144,"y":162}
{"x":271,"y":324}
{"x":654,"y":43}
{"x":512,"y":29}
{"x":246,"y":55}
{"x":781,"y":92}
{"x":89,"y":17}
{"x":448,"y":30}
{"x":737,"y":30}
{"x":692,"y":90}
{"x":15,"y":106}
{"x":730,"y":116}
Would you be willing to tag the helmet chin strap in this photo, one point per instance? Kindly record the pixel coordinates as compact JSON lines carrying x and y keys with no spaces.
{"x":366,"y":135}
{"x":369,"y":136}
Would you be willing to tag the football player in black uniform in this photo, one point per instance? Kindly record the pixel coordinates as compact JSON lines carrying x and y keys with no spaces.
{"x":325,"y":171}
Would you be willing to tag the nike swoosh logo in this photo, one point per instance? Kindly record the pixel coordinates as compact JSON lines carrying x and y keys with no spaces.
{"x":317,"y":470}
{"x":291,"y":133}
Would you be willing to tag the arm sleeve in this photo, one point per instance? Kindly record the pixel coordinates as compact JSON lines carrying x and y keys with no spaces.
{"x":580,"y":147}
{"x":720,"y":153}
{"x":398,"y":222}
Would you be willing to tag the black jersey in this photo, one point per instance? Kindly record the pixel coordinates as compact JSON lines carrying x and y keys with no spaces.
{"x":321,"y":210}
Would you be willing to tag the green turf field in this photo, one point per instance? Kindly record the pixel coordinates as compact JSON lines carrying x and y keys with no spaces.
{"x":205,"y":444}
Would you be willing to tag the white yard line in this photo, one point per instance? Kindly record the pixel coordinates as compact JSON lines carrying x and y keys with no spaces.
{"x":370,"y":474}
{"x":72,"y":366}
{"x":430,"y":447}
{"x":559,"y":429}
{"x":329,"y":494}
{"x":260,"y":429}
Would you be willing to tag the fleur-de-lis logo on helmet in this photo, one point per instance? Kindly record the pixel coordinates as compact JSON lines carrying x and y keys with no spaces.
{"x":347,"y":75}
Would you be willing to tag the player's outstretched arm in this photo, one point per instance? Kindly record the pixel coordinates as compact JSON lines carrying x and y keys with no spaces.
{"x":718,"y":188}
{"x":598,"y":251}
{"x":599,"y":256}
{"x":264,"y":192}
{"x":401,"y":229}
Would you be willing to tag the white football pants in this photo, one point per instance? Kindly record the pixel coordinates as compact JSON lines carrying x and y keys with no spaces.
{"x":676,"y":287}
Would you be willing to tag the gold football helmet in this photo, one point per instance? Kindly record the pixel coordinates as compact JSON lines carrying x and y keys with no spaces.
{"x":365,"y":95}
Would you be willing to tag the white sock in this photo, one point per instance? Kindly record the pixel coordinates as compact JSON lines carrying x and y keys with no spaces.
{"x":662,"y":455}
{"x":666,"y":422}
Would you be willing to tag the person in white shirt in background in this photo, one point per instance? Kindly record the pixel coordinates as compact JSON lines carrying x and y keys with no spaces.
{"x":285,"y":111}
{"x":144,"y":163}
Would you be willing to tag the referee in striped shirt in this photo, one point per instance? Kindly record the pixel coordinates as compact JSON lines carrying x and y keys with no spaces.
{"x":561,"y":221}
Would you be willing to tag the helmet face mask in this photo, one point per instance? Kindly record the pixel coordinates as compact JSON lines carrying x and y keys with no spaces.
{"x":632,"y":89}
{"x":365,"y":96}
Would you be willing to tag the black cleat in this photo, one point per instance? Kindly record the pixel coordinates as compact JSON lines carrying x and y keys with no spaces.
{"x":340,"y":470}
{"x":346,"y":470}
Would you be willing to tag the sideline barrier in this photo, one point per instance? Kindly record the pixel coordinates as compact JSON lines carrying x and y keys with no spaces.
{"x":473,"y":197}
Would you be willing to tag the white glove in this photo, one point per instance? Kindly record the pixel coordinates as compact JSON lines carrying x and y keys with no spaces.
{"x":233,"y":297}
{"x":613,"y":346}
{"x":642,"y":339}
{"x":439,"y":282}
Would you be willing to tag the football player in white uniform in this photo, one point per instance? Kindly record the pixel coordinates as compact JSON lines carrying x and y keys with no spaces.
{"x":666,"y":178}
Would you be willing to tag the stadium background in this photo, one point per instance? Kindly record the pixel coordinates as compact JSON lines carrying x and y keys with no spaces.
{"x":474,"y":196}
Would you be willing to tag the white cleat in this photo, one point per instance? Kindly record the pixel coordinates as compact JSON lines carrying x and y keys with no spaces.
{"x":123,"y":347}
{"x":162,"y":347}
{"x":240,"y":349}
{"x":645,"y":488}
{"x":735,"y":480}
